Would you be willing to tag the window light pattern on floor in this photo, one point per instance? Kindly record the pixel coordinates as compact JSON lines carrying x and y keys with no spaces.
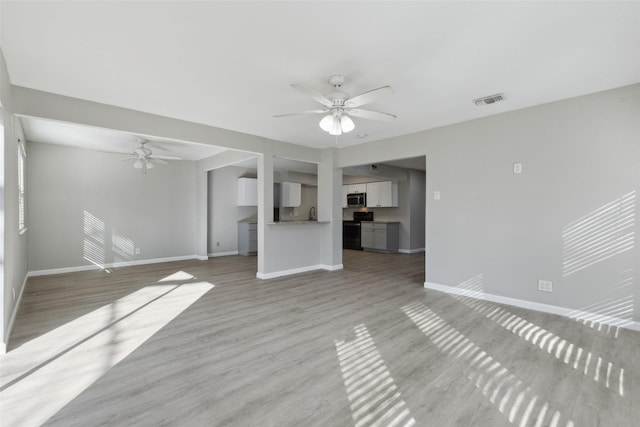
{"x":77,"y":354}
{"x":612,"y":312}
{"x":591,"y":365}
{"x":512,"y":397}
{"x":374,"y":397}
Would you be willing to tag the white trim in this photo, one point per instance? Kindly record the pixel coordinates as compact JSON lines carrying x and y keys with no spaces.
{"x":332,"y":267}
{"x":299,"y":270}
{"x":200,"y":257}
{"x":546,"y":308}
{"x":112,"y":265}
{"x":410,"y":251}
{"x":217,"y":254}
{"x":16,"y":306}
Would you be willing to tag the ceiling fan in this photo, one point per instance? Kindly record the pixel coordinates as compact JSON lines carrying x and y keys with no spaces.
{"x":144,"y":158}
{"x":339,"y":106}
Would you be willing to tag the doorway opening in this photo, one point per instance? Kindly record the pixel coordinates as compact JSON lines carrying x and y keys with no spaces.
{"x":384,"y":210}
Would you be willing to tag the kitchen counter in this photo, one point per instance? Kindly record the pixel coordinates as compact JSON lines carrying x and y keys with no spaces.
{"x":385,"y":222}
{"x":297,"y":222}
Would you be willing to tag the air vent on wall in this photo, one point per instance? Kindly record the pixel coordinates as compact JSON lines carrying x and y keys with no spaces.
{"x":489,"y":99}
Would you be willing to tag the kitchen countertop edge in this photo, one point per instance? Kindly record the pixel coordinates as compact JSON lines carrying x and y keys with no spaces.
{"x":297,"y":222}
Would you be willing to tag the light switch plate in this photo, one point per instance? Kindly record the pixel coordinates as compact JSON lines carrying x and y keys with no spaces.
{"x":517,"y":168}
{"x":436,"y":195}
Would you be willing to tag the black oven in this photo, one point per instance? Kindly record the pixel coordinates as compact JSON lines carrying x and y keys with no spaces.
{"x":351,"y":232}
{"x":357,"y":200}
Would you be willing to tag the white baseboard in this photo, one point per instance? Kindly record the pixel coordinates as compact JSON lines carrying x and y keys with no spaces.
{"x":546,"y":308}
{"x":299,"y":270}
{"x":217,"y":254}
{"x":410,"y":251}
{"x":332,"y":267}
{"x":112,"y":265}
{"x":12,"y":319}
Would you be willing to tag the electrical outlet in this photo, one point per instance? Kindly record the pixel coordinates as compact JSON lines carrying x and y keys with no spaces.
{"x":137,"y":251}
{"x":517,"y":168}
{"x":545,"y":285}
{"x":436,"y":195}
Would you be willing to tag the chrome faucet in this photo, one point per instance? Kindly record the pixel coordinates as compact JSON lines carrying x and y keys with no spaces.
{"x":312,"y":213}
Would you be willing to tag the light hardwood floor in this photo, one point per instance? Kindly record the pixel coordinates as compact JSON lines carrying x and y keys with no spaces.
{"x":206,"y":343}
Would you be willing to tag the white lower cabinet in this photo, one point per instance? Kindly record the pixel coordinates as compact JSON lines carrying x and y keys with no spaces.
{"x":379,"y":236}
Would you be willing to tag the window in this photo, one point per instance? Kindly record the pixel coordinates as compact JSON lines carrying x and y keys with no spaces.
{"x":22,"y":156}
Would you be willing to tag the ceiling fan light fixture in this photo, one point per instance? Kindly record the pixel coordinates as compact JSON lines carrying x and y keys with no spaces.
{"x":340,"y":106}
{"x":326,"y":124}
{"x":149,"y":165}
{"x":138,"y":164}
{"x":336,"y":129}
{"x":346,"y":124}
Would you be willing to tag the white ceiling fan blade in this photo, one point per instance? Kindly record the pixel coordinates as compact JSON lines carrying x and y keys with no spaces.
{"x":303,"y":112}
{"x":158,"y":161}
{"x":164,"y":157}
{"x":141,"y":151}
{"x":129,"y":157}
{"x":367,"y":97}
{"x":115,"y":152}
{"x":371,"y":115}
{"x":315,"y":95}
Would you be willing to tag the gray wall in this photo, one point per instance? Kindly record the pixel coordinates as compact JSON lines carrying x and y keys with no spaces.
{"x":503,"y":232}
{"x":13,"y":255}
{"x":89,"y":208}
{"x":223,"y":212}
{"x":417,"y":188}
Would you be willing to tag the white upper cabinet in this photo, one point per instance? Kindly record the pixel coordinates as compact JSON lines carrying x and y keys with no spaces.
{"x":357,"y":188}
{"x":382,"y":194}
{"x":247,"y":192}
{"x":345,"y":191}
{"x":290,"y":194}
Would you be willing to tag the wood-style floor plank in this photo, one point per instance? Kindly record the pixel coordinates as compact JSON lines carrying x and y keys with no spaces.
{"x":206,"y":343}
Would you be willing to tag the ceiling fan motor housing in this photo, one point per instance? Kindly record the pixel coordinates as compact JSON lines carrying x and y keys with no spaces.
{"x":337,"y":80}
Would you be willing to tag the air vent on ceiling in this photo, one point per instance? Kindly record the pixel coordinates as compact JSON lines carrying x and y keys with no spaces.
{"x":492,"y":99}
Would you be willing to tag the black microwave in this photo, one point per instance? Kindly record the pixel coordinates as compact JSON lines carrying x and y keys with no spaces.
{"x":357,"y":200}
